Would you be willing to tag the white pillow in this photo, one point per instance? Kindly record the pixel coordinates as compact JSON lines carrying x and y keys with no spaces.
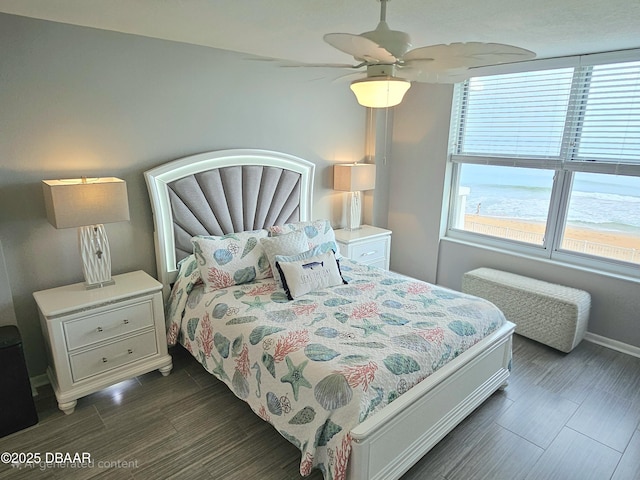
{"x":306,"y":275}
{"x":287,"y":244}
{"x":318,"y":233}
{"x":232,"y":259}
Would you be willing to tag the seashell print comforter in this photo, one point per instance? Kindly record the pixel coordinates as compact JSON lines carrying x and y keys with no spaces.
{"x":317,"y":366}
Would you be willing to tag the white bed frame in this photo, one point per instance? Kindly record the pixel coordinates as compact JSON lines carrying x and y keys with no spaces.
{"x":388,"y":443}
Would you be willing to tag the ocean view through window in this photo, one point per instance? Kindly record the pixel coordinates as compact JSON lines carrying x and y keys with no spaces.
{"x":603,"y":218}
{"x":549,"y":162}
{"x":506,"y":202}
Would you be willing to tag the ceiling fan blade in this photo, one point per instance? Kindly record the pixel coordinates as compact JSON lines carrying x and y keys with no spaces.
{"x":320,"y":65}
{"x":430,"y":76}
{"x":294,"y":64}
{"x":470,"y":54}
{"x":361,"y":48}
{"x":422,"y":64}
{"x":348,"y":77}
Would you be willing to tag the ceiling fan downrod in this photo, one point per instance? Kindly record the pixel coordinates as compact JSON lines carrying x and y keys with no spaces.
{"x":383,"y":10}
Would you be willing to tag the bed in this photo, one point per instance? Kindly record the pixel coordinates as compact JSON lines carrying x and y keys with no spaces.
{"x":364,"y":375}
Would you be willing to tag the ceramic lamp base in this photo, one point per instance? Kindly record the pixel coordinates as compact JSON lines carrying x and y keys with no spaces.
{"x":354,"y":211}
{"x":96,"y":256}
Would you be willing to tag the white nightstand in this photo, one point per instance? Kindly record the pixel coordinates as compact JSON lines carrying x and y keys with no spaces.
{"x":96,"y":338}
{"x":369,"y":245}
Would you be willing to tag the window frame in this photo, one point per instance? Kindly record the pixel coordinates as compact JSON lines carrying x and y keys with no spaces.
{"x":564,"y":173}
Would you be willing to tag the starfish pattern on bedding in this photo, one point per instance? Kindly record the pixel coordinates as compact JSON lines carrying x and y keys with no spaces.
{"x":425,"y":301}
{"x":295,"y":377}
{"x":256,"y":303}
{"x":371,"y":328}
{"x":219,"y":370}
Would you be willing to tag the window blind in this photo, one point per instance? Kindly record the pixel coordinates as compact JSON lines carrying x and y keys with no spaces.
{"x":584,"y":118}
{"x":605,"y":115}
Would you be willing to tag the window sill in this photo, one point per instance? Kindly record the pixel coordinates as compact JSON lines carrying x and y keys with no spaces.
{"x":525,"y":253}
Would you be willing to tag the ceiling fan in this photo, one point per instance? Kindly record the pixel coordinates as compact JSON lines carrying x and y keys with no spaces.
{"x":392,"y":64}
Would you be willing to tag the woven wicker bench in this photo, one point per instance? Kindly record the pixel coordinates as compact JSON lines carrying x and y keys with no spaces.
{"x":548,"y":313}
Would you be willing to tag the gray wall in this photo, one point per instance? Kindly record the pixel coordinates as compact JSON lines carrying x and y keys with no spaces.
{"x":79,"y":101}
{"x":417,"y":167}
{"x":419,"y":182}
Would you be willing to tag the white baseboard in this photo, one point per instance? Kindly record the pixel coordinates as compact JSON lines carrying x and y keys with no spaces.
{"x":38,"y":381}
{"x":613,"y":344}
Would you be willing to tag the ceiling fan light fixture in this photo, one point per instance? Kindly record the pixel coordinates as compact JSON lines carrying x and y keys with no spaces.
{"x":380,"y":92}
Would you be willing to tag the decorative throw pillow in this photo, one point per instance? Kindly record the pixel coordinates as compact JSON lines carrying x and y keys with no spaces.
{"x":309,"y":274}
{"x":287,"y":244}
{"x":314,"y":252}
{"x":318,"y":233}
{"x":232,"y":259}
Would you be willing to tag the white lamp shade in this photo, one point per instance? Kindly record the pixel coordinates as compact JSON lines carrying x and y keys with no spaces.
{"x":81,"y":202}
{"x":354,"y":177}
{"x":380,"y":92}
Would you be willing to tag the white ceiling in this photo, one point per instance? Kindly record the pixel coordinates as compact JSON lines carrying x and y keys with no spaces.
{"x":293,"y":29}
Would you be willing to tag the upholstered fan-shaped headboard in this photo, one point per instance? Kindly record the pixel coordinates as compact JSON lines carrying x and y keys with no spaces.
{"x":221,"y":192}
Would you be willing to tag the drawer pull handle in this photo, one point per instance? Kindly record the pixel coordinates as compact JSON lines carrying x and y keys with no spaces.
{"x":366,"y":254}
{"x":129,"y":352}
{"x":124,"y":322}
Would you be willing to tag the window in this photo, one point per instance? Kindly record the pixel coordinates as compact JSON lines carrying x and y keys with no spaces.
{"x":603,"y":217}
{"x":505,"y":202}
{"x":548,"y":162}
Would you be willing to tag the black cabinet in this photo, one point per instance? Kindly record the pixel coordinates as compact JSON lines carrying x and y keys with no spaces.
{"x":17,"y":410}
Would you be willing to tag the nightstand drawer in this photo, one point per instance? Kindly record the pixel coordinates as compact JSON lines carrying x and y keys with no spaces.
{"x":103,"y":326}
{"x":381,"y":263}
{"x":113,"y":355}
{"x":369,"y":252}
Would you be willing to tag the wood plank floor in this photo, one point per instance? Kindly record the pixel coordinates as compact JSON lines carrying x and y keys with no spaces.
{"x":564,"y":417}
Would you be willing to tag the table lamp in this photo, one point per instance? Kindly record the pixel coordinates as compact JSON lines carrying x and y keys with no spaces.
{"x":88,"y":204}
{"x":354,"y":178}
